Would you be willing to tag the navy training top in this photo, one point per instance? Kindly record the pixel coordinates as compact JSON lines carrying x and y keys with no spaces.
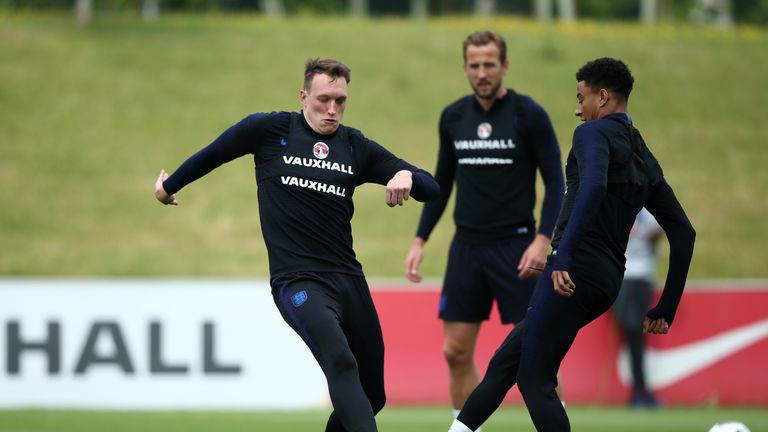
{"x":493,"y":157}
{"x":305,"y":184}
{"x":610,"y":175}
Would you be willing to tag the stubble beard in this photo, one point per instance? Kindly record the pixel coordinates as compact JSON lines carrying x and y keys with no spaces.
{"x":491,"y":95}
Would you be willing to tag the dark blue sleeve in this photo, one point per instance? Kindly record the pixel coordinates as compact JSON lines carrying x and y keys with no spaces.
{"x":665,"y":207}
{"x":379,"y":165}
{"x":591,"y":149}
{"x":236,"y":141}
{"x":425,"y":188}
{"x":546,"y":153}
{"x":444,"y":176}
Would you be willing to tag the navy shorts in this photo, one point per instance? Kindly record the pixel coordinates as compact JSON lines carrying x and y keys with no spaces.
{"x":478,"y":274}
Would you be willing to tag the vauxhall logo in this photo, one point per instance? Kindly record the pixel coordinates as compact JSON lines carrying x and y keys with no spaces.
{"x":121,"y":357}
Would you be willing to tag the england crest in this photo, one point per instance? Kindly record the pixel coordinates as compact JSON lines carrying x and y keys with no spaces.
{"x":320,"y":150}
{"x":484,"y":130}
{"x":299,"y":298}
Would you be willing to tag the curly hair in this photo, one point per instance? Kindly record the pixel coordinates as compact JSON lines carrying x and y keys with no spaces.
{"x":332,"y":68}
{"x":608,"y":73}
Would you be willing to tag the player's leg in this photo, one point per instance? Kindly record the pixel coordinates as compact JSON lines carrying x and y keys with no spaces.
{"x":464,"y":303}
{"x":499,"y":378}
{"x":512,"y":293}
{"x":552,"y":324}
{"x":363,"y":329}
{"x":637,"y":296}
{"x":311,"y":307}
{"x":459,"y":340}
{"x":512,"y":296}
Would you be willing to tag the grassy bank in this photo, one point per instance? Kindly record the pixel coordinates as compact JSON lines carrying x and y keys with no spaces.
{"x":89,"y":116}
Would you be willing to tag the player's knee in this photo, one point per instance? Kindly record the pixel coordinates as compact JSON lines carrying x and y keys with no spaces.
{"x":527,"y":381}
{"x":342,"y":362}
{"x":456,"y":354}
{"x":534,"y":386}
{"x":524,"y":383}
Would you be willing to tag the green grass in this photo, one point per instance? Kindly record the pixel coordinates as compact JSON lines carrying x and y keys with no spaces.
{"x":89,"y":116}
{"x":394,"y":419}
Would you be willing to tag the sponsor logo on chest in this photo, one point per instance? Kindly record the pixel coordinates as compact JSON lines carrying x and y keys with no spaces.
{"x":484,"y":131}
{"x":317,"y":163}
{"x":314,"y":185}
{"x":484,"y":144}
{"x":321,"y":152}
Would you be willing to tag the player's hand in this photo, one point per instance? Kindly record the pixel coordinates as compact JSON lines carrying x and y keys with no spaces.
{"x":655,"y":326}
{"x":533,"y":259}
{"x":413,"y":259}
{"x":562,"y":283}
{"x":399,"y":188}
{"x":160,"y":192}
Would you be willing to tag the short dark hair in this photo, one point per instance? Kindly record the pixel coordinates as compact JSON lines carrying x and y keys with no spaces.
{"x":332,"y":68}
{"x":483,"y":37}
{"x":608,"y":73}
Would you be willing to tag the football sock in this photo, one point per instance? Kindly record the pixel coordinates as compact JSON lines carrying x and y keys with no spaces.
{"x":456,"y":414}
{"x":458,"y":426}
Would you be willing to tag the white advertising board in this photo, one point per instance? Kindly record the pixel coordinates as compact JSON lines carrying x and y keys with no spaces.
{"x":151,"y":344}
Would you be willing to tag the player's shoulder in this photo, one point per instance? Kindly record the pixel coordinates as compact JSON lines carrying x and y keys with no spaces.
{"x":272,"y":115}
{"x":521,"y":99}
{"x":355,"y":137}
{"x":526,"y":103}
{"x":587,"y":127}
{"x":527,"y":111}
{"x":351,"y":133}
{"x":606,"y":125}
{"x":459,"y":103}
{"x":256,"y":126}
{"x":593,"y":130}
{"x":262,"y":119}
{"x":456,"y":109}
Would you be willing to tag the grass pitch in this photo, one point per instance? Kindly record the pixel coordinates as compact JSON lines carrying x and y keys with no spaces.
{"x":392,"y":419}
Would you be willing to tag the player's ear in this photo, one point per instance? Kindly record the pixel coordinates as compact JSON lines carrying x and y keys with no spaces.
{"x":604,"y":96}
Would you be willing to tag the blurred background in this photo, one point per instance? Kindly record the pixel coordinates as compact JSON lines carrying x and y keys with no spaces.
{"x":96,"y":96}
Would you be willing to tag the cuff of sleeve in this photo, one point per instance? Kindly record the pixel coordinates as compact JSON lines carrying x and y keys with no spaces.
{"x":657,"y":313}
{"x":560,"y":262}
{"x":168,"y":187}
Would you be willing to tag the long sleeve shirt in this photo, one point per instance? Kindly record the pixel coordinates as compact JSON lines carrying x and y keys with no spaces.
{"x":493,"y":157}
{"x":610,"y":175}
{"x":305,"y":185}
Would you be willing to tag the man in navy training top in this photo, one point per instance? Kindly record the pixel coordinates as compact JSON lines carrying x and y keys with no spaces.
{"x":610,"y":176}
{"x":307,"y":167}
{"x":491,"y":144}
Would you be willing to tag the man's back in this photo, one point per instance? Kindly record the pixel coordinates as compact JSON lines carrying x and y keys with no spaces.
{"x":609,"y":153}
